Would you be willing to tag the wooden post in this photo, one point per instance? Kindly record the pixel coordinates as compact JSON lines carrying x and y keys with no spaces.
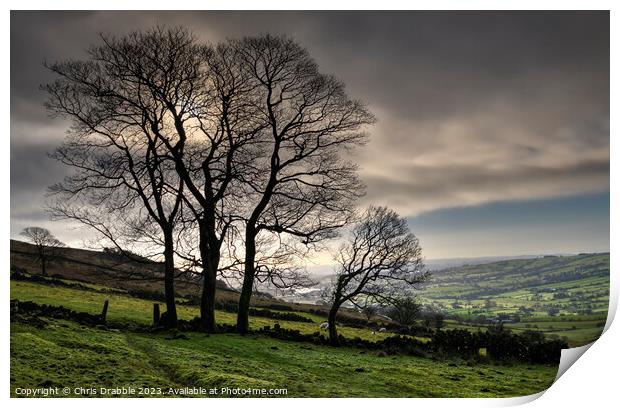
{"x":104,"y":312}
{"x":155,"y":314}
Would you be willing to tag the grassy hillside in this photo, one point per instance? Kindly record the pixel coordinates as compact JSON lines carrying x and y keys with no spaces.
{"x":97,"y":267}
{"x":67,"y":355}
{"x":565,"y":297}
{"x":128,"y":309}
{"x":104,"y":270}
{"x":60,"y":353}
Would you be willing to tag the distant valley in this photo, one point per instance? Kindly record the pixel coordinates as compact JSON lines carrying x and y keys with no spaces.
{"x":529,"y":286}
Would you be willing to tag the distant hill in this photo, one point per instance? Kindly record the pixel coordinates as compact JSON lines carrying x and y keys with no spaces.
{"x":438,"y":264}
{"x":528,"y":286}
{"x":577,"y":284}
{"x":103,"y":268}
{"x":114,"y":271}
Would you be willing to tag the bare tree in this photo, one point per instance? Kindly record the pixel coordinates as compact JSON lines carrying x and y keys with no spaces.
{"x":380,"y":262}
{"x":302,"y":186}
{"x":213,"y":148}
{"x":46,"y":245}
{"x":119,"y":101}
{"x":247,"y":137}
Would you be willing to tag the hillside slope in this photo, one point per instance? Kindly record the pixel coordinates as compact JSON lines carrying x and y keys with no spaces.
{"x":549,"y":285}
{"x":59,"y":352}
{"x":112,"y":271}
{"x":98,"y":267}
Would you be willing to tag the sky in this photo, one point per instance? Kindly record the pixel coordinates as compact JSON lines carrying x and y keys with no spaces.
{"x":492,"y":133}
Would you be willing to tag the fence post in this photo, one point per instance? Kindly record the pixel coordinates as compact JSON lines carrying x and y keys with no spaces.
{"x":104,"y":312}
{"x":155,"y":314}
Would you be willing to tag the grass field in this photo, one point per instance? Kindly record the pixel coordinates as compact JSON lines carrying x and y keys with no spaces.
{"x":65,"y":354}
{"x":127,"y":309}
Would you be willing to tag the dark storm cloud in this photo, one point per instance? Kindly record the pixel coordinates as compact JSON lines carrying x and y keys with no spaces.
{"x":462,"y":185}
{"x":472,"y":106}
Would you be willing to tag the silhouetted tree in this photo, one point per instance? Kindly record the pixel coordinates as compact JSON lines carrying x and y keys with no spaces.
{"x":380,"y":262}
{"x":303,"y":187}
{"x":215,"y":149}
{"x":247,"y":137}
{"x":119,"y":101}
{"x":45,"y":243}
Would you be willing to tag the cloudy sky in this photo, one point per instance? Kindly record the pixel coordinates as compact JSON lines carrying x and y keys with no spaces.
{"x":492,"y":133}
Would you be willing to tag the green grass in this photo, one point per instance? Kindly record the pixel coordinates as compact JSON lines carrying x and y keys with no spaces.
{"x":66,"y":355}
{"x":127,"y":309}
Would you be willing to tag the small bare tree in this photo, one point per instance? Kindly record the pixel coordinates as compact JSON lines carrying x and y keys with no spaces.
{"x":46,"y":245}
{"x":381,"y":261}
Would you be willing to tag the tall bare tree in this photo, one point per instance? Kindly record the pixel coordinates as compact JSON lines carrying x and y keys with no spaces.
{"x":213,"y":152}
{"x":119,"y":101}
{"x":303,"y":186}
{"x":46,"y":244}
{"x":380,"y":262}
{"x":256,"y":135}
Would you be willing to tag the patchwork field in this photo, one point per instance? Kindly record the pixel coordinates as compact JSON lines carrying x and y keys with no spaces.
{"x":564,"y":296}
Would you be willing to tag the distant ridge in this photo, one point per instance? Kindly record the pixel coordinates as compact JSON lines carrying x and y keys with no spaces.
{"x":442,"y":263}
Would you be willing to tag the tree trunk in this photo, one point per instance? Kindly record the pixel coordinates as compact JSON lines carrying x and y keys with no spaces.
{"x":210,"y":265}
{"x":43,"y":266}
{"x":155,"y":314}
{"x":207,"y":300}
{"x":331,"y":320}
{"x":250,"y":246}
{"x":171,"y":309}
{"x":243,"y":313}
